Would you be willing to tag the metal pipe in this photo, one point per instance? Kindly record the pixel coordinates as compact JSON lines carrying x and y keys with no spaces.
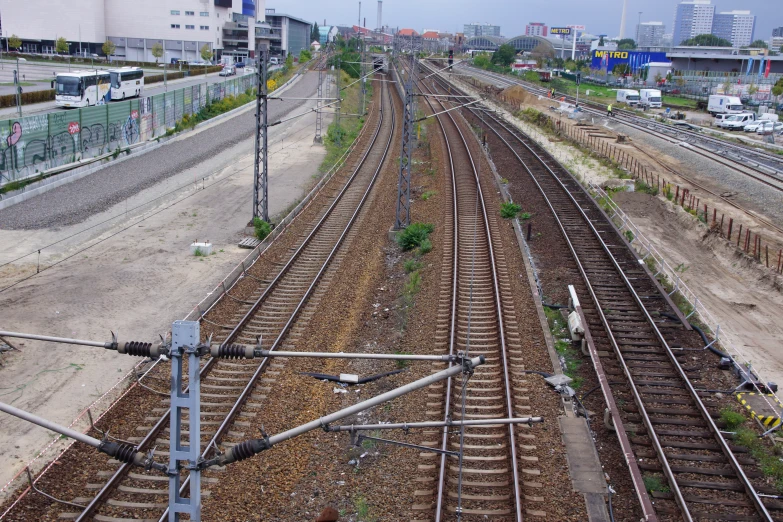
{"x":64,"y":340}
{"x":343,"y":355}
{"x":49,"y":425}
{"x":435,"y":424}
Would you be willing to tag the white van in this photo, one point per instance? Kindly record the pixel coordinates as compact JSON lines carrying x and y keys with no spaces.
{"x":737,"y":121}
{"x":651,"y":98}
{"x":628,"y":96}
{"x":720,"y":104}
{"x":274,"y":60}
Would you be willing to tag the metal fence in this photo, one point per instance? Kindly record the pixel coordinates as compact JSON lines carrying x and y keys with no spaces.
{"x":32,"y":144}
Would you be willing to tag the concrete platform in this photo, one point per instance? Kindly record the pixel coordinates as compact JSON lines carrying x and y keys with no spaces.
{"x":766,"y":408}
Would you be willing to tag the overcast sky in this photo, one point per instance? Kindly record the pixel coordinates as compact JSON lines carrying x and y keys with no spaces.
{"x":600,"y":16}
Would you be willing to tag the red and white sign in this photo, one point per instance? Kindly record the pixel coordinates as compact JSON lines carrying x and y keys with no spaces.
{"x":577,"y":27}
{"x":135,"y":115}
{"x":73,"y":127}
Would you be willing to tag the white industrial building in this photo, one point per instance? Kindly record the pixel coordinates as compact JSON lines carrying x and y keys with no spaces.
{"x":183,"y":27}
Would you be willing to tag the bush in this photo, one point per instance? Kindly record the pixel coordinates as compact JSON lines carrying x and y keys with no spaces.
{"x":263,"y":229}
{"x":411,"y":265}
{"x":414,"y":234}
{"x":732,"y":419}
{"x":9,"y":100}
{"x":509,"y":210}
{"x":425,"y":247}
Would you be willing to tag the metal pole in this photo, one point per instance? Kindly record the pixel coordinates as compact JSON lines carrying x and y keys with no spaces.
{"x":339,"y":105}
{"x":185,"y":337}
{"x":68,"y":432}
{"x":165,"y":84}
{"x":435,"y":424}
{"x":403,"y":211}
{"x":18,"y":89}
{"x":20,"y":335}
{"x":318,"y":114}
{"x":260,"y":179}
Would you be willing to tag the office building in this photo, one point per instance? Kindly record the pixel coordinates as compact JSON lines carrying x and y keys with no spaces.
{"x":473,"y":30}
{"x":536,"y":29}
{"x":650,"y":34}
{"x":735,"y":26}
{"x":692,"y":18}
{"x":289,"y":34}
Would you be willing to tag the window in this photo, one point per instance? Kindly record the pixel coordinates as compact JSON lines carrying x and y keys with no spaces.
{"x":190,"y":27}
{"x":175,"y":12}
{"x":204,"y":13}
{"x":175,"y":26}
{"x":189,"y":13}
{"x":204,"y":28}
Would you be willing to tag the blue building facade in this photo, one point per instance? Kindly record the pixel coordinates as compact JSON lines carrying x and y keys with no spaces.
{"x":607,"y":60}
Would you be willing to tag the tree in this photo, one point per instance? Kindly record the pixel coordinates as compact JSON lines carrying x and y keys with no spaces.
{"x":777,"y":89}
{"x":206,"y":53}
{"x":541,"y":53}
{"x":315,"y":35}
{"x":482,"y":60}
{"x":289,"y":61}
{"x":108,"y":48}
{"x":304,"y":56}
{"x":621,"y":69}
{"x":504,"y":55}
{"x":61,"y":46}
{"x":14,"y":42}
{"x":601,"y":42}
{"x":626,"y":44}
{"x":707,"y":40}
{"x":157,"y":50}
{"x":761,"y":44}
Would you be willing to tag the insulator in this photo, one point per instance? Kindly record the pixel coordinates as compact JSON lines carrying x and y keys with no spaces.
{"x":233,"y":351}
{"x":138,"y":349}
{"x":125,"y":453}
{"x":243,"y":450}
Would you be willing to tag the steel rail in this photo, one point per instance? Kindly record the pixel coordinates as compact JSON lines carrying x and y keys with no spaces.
{"x":161,"y":423}
{"x":750,"y":490}
{"x":498,"y":310}
{"x":308,"y":293}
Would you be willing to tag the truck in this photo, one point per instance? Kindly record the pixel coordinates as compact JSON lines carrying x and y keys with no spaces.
{"x":737,"y":121}
{"x":629,"y":96}
{"x":720,"y":104}
{"x":650,"y":98}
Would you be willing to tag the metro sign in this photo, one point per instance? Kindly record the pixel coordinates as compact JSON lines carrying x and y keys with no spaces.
{"x":73,"y":127}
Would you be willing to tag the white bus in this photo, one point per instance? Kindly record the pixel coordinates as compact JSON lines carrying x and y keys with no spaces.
{"x":126,"y":82}
{"x":82,"y":88}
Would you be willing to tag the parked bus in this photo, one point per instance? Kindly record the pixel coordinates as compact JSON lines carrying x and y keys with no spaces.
{"x":82,"y":88}
{"x":126,"y":82}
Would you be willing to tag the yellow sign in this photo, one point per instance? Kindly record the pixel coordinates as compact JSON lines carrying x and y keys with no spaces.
{"x":560,"y":30}
{"x":623,"y":55}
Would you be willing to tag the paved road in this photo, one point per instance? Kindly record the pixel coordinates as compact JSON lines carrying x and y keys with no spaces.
{"x":77,"y":201}
{"x":155,"y":88}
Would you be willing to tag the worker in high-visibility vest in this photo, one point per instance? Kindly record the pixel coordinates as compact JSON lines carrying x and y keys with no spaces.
{"x":609,"y":110}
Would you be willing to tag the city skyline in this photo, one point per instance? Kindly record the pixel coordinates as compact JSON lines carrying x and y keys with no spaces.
{"x":453,"y":16}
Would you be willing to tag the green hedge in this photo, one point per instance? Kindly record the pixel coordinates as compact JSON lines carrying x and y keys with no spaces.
{"x":9,"y":100}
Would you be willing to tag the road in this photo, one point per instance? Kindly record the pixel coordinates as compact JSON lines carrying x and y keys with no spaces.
{"x":156,"y":88}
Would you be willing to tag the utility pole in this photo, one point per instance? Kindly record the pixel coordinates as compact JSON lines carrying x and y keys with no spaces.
{"x":403,"y":212}
{"x":261,"y":167}
{"x":18,"y":89}
{"x":318,"y":113}
{"x":364,"y":80}
{"x":339,"y":103}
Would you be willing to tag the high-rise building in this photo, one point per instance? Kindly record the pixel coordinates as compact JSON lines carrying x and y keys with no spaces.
{"x":536,"y":29}
{"x":778,"y":31}
{"x":692,"y":18}
{"x":735,"y":26}
{"x":650,"y":34}
{"x":472,"y":30}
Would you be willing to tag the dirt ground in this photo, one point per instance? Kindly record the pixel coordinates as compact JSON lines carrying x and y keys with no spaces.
{"x":744,"y":297}
{"x":148,"y":261}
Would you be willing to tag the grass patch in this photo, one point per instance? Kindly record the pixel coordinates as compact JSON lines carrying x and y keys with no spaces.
{"x":641,"y":186}
{"x":769,"y":463}
{"x":629,"y":236}
{"x":414,"y":235}
{"x":509,"y":210}
{"x":411,"y":265}
{"x":199,"y":253}
{"x":413,"y":285}
{"x":400,"y":362}
{"x":571,"y":359}
{"x":212,"y":109}
{"x":655,"y":483}
{"x":339,"y":137}
{"x":363,"y":509}
{"x":262,"y":228}
{"x":732,"y":419}
{"x":425,"y":247}
{"x":428,"y":194}
{"x":525,"y":215}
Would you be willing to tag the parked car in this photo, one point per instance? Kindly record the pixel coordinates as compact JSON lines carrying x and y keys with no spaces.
{"x":239,"y":65}
{"x":769,"y":126}
{"x":753,"y":126}
{"x":737,"y":121}
{"x":227,"y":71}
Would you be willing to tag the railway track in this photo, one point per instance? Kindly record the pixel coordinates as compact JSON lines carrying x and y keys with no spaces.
{"x":276,"y":311}
{"x":675,"y":431}
{"x":763,"y":167}
{"x":475,"y":315}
